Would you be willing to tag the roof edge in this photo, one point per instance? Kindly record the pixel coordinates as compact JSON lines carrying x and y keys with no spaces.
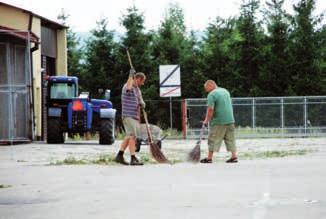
{"x":58,"y":25}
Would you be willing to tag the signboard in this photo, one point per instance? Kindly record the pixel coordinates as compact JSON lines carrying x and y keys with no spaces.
{"x":170,"y":84}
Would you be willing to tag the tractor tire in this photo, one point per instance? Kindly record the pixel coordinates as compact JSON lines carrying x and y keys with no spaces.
{"x":106,"y":131}
{"x":54,"y":133}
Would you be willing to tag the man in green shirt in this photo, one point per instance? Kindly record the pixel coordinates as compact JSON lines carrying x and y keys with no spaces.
{"x":220,"y":117}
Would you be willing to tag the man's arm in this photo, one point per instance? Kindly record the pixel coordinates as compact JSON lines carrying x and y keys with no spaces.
{"x":209,"y":115}
{"x":130,"y":83}
{"x":130,"y":79}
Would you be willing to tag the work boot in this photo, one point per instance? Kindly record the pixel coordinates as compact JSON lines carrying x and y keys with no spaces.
{"x":120,"y":159}
{"x":135,"y":162}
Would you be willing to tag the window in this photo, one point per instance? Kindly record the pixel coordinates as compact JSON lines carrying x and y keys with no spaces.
{"x":62,"y":91}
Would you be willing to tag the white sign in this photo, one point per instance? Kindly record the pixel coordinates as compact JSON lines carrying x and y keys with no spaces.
{"x":170,"y":84}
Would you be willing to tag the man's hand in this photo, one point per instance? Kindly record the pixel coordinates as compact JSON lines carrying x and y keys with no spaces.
{"x":142,"y":104}
{"x":132,"y":72}
{"x":205,"y":123}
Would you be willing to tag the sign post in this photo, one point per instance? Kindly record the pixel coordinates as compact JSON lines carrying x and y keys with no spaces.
{"x":170,"y":84}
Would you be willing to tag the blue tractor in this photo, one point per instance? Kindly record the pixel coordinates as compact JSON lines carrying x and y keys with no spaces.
{"x":69,"y":113}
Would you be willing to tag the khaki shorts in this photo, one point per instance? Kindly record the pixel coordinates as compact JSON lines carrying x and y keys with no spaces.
{"x":218,"y":133}
{"x":131,"y":126}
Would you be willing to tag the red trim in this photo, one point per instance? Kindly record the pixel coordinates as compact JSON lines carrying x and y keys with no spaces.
{"x":19,"y":34}
{"x":170,"y":91}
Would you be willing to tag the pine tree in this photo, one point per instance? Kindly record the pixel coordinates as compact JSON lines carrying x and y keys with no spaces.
{"x":249,"y":48}
{"x":100,"y":61}
{"x":276,"y":75}
{"x":306,"y":76}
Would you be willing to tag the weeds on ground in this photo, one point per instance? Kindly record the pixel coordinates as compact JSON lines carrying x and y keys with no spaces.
{"x":273,"y":154}
{"x":4,"y":186}
{"x":107,"y":159}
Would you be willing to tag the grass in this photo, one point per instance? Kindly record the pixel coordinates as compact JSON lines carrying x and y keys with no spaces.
{"x":105,"y":159}
{"x":179,"y":157}
{"x":273,"y":154}
{"x":4,"y":186}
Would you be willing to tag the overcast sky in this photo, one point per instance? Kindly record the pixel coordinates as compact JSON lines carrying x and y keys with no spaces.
{"x":84,"y":14}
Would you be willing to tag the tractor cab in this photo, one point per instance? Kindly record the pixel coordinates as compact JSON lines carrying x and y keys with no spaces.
{"x":61,"y":89}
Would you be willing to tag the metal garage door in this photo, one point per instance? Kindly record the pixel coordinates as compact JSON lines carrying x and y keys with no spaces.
{"x":15,"y":113}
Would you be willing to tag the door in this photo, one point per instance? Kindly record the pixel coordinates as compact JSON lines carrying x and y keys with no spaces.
{"x":14,"y":93}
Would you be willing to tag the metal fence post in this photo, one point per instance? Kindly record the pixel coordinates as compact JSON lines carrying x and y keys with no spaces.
{"x":253,"y":113}
{"x":282,"y":115}
{"x":305,"y":116}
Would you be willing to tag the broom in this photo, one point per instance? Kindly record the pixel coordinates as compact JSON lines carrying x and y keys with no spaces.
{"x":194,"y":155}
{"x":156,"y":152}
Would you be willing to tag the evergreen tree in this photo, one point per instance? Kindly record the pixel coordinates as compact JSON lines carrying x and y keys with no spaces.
{"x":276,"y":75}
{"x":218,"y":51}
{"x":321,"y":50}
{"x":137,"y":41}
{"x":100,"y":62}
{"x":172,"y":45}
{"x":306,"y":76}
{"x":247,"y":76}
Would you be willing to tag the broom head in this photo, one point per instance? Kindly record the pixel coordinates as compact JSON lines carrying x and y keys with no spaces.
{"x":194,"y":155}
{"x":157,"y":154}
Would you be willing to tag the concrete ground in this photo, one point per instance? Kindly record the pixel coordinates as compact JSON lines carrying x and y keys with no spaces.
{"x":259,"y":187}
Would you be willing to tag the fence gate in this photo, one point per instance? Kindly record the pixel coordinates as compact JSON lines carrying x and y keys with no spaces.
{"x":15,"y":115}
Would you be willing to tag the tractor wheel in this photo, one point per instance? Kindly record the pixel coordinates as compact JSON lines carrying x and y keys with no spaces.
{"x":54,"y":133}
{"x":106,"y":131}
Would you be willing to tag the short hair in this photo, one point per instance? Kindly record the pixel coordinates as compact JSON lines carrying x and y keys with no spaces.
{"x":140,"y":75}
{"x":210,"y":82}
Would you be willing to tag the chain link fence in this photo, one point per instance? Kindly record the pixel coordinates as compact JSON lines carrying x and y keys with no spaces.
{"x":267,"y":116}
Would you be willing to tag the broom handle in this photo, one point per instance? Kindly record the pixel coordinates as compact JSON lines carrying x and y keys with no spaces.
{"x":150,"y":138}
{"x":201,"y":133}
{"x":129,"y":59}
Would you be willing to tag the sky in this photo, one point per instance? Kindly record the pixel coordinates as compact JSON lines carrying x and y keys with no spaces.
{"x":84,"y":14}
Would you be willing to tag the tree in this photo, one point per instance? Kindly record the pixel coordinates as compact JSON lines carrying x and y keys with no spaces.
{"x":276,"y":75}
{"x":100,"y":60}
{"x":321,"y":54}
{"x":247,"y":75}
{"x":74,"y":53}
{"x":219,"y":54}
{"x":306,"y":76}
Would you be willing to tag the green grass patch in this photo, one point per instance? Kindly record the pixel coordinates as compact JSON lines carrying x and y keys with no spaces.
{"x":104,"y":160}
{"x":179,"y":157}
{"x":4,"y":186}
{"x":273,"y":154}
{"x":69,"y":161}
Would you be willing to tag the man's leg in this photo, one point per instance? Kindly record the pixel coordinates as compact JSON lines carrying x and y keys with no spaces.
{"x":229,"y":140}
{"x":133,"y":127}
{"x":215,"y":138}
{"x":132,"y":148}
{"x":124,"y":144}
{"x":119,"y":158}
{"x":132,"y":145}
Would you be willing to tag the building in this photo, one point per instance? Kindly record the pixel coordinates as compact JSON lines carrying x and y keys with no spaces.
{"x":31,"y":47}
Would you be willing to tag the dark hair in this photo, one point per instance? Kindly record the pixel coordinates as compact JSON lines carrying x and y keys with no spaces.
{"x":140,"y":75}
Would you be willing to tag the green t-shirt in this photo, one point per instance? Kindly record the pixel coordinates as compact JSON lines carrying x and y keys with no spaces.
{"x":220,"y":100}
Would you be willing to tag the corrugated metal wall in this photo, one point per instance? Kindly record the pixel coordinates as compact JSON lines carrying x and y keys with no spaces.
{"x":49,"y":42}
{"x":15,"y":115}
